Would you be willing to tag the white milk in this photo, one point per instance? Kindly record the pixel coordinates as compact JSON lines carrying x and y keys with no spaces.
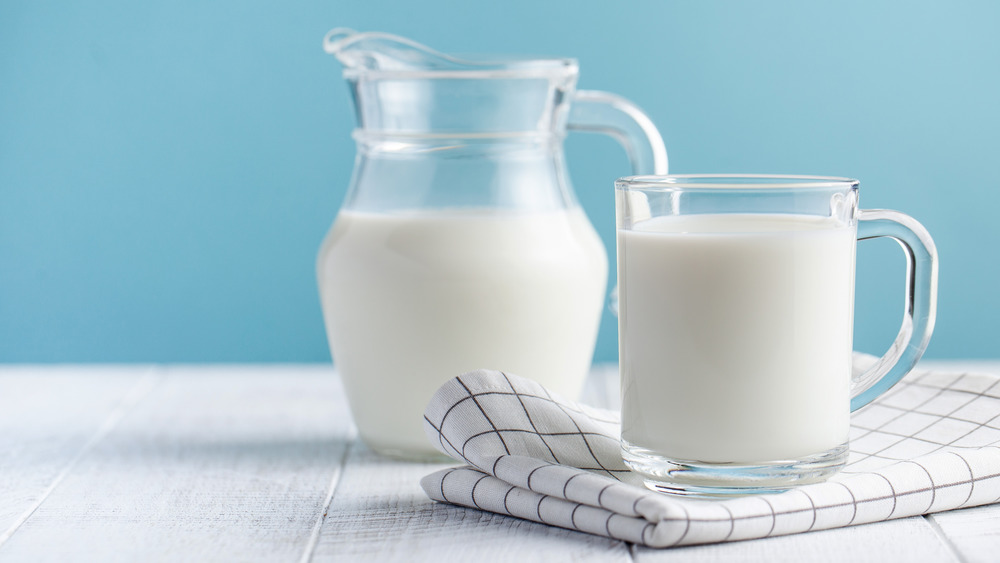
{"x":735,"y":336}
{"x":413,"y":299}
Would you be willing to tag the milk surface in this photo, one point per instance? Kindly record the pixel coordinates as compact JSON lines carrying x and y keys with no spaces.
{"x":413,"y":299}
{"x":735,"y":336}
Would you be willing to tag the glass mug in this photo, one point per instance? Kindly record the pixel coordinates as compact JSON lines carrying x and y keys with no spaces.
{"x":736,"y":314}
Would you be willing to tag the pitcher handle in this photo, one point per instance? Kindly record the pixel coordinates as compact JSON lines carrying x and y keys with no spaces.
{"x":610,"y":114}
{"x":613,"y":115}
{"x":921,"y":301}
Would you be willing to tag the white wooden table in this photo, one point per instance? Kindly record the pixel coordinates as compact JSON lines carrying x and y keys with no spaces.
{"x":262,"y":463}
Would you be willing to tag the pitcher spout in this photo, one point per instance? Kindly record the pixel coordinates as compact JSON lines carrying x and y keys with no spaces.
{"x":402,"y":86}
{"x":378,"y":51}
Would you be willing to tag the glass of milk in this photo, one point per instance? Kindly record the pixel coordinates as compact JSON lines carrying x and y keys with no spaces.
{"x":736,"y":314}
{"x":460,"y":244}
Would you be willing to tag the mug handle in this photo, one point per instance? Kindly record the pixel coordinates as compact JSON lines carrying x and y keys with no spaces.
{"x":613,"y":115}
{"x":920,"y":304}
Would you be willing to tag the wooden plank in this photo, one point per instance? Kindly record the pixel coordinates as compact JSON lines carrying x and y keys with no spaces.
{"x":911,"y":540}
{"x":218,"y":463}
{"x":974,"y":532}
{"x":50,"y":417}
{"x":379,"y":513}
{"x":242,"y":462}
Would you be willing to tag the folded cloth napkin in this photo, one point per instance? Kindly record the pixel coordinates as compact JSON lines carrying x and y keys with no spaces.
{"x":932,"y":443}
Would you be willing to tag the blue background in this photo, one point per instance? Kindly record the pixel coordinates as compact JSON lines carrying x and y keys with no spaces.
{"x":168,"y":169}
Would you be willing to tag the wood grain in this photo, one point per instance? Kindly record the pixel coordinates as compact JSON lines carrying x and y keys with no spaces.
{"x":49,"y":420}
{"x":214,"y":464}
{"x":974,"y":532}
{"x":379,"y":513}
{"x":261,"y":463}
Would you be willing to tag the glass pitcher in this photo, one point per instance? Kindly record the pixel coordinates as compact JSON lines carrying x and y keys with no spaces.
{"x":460,"y":244}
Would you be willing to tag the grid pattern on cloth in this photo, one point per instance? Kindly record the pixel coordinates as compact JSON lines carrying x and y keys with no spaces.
{"x":931,"y":443}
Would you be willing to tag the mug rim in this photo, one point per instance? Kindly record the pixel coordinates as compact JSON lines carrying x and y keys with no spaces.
{"x":669,"y":182}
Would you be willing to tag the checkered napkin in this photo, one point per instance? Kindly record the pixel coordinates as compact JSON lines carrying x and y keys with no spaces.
{"x":932,"y":443}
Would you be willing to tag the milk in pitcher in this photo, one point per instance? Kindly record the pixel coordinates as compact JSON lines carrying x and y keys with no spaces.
{"x":414,"y":298}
